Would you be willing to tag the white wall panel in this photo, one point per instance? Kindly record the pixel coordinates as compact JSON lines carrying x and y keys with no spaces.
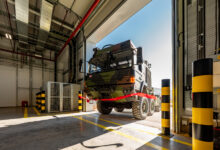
{"x":8,"y":86}
{"x":48,"y":76}
{"x":23,"y":77}
{"x":23,"y":94}
{"x":23,"y":85}
{"x":37,"y":78}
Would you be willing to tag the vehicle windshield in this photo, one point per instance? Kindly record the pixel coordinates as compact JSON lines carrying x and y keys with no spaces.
{"x":109,"y":66}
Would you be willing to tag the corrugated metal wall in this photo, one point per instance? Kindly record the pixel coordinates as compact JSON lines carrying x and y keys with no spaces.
{"x":210,"y":28}
{"x":191,"y":41}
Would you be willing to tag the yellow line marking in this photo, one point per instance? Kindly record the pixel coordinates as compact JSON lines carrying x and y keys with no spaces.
{"x":53,"y":114}
{"x":37,"y":112}
{"x":140,"y":130}
{"x":122,"y":134}
{"x":25,"y":112}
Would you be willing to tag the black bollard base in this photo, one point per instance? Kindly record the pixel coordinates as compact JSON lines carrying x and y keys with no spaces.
{"x":167,"y":135}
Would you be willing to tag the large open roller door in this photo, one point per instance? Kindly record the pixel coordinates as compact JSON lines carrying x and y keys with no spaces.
{"x":195,"y":36}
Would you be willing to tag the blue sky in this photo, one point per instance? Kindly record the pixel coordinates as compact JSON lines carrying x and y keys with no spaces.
{"x":149,"y":28}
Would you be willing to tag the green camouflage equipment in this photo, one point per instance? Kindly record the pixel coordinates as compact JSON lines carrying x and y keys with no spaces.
{"x":113,"y":72}
{"x":119,"y":70}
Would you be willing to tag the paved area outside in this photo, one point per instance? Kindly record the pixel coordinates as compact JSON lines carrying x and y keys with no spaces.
{"x":26,"y":129}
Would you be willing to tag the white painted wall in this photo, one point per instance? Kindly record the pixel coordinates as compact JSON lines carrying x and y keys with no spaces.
{"x":7,"y":88}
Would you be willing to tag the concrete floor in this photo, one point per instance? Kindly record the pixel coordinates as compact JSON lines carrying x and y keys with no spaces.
{"x":83,"y":131}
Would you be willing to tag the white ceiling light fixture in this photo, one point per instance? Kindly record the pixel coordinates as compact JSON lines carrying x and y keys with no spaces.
{"x":38,"y":55}
{"x":8,"y":36}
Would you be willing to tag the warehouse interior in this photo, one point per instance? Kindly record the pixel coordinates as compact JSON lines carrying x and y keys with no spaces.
{"x":45,"y":46}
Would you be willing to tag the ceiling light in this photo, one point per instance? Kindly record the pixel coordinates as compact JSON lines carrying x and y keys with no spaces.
{"x":8,"y":36}
{"x":37,"y":55}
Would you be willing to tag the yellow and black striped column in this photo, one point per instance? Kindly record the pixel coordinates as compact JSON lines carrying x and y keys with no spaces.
{"x":39,"y":102}
{"x":80,"y":102}
{"x":43,"y":102}
{"x":37,"y":97}
{"x":165,"y":107}
{"x":202,"y":110}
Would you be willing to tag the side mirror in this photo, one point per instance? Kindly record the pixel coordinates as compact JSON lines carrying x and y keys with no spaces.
{"x":139,"y":56}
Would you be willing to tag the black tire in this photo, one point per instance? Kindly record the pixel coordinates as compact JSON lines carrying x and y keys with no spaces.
{"x":152,"y":107}
{"x":103,"y":108}
{"x":157,"y":108}
{"x":119,"y":109}
{"x":140,"y":109}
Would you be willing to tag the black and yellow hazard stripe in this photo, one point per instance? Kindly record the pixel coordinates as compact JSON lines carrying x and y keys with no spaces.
{"x":80,"y":101}
{"x":43,"y":102}
{"x":38,"y":98}
{"x":39,"y":102}
{"x":202,"y":111}
{"x":165,"y":107}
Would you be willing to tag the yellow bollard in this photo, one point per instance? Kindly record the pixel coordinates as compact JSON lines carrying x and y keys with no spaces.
{"x":202,"y":110}
{"x":165,"y":107}
{"x":43,"y":102}
{"x":80,"y":102}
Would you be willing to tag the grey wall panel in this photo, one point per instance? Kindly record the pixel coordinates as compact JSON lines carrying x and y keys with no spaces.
{"x":23,"y":85}
{"x":190,"y":48}
{"x":23,"y":94}
{"x":8,"y":86}
{"x":48,"y":76}
{"x":191,"y":40}
{"x":37,"y":78}
{"x":23,"y":77}
{"x":210,"y":28}
{"x":192,"y":35}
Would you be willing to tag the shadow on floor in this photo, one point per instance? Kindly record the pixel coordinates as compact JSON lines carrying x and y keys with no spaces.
{"x":92,"y":147}
{"x":53,"y":133}
{"x":171,"y":145}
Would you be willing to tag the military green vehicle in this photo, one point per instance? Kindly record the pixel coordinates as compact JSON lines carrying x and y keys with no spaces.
{"x":119,"y":70}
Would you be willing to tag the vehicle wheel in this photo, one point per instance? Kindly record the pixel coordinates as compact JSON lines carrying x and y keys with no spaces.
{"x":103,"y":108}
{"x":157,"y":108}
{"x":140,"y":109}
{"x":119,"y":109}
{"x":152,"y":107}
